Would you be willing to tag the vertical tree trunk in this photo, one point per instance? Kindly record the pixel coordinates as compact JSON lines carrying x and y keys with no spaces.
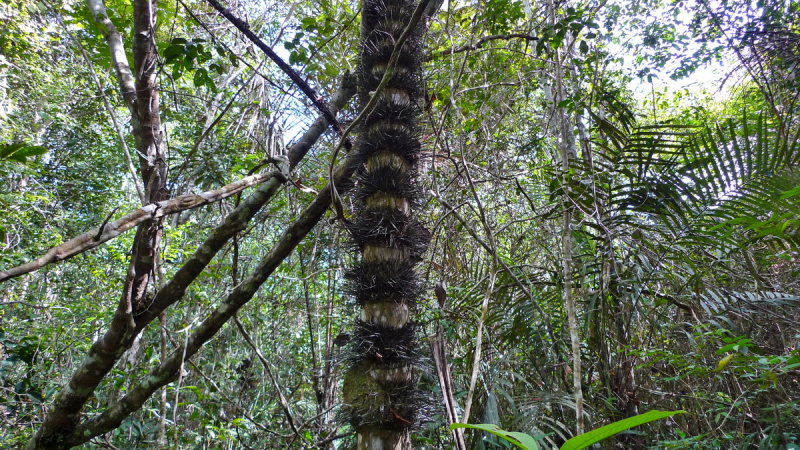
{"x":381,"y":400}
{"x":146,"y":121}
{"x":140,"y":93}
{"x":563,"y":130}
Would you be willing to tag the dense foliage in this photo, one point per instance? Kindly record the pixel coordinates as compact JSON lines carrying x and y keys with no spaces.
{"x":620,"y":178}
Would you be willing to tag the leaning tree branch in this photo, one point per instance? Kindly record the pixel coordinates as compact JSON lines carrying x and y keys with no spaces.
{"x":169,"y":370}
{"x":479,"y":44}
{"x":109,"y":230}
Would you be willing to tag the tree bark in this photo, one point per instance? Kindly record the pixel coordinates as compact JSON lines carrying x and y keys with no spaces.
{"x":380,"y":396}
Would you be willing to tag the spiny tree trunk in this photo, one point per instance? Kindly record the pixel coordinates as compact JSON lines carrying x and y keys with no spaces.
{"x":382,"y":402}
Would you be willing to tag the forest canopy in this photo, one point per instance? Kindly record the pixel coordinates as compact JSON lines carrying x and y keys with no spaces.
{"x":338,"y":224}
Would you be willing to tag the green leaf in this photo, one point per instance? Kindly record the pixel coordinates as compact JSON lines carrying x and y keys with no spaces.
{"x":32,"y":150}
{"x":331,"y":70}
{"x":9,"y":149}
{"x":35,"y":396}
{"x":217,"y":68}
{"x":173,"y":52}
{"x":791,"y":193}
{"x":309,"y":22}
{"x":594,"y":436}
{"x":201,"y":78}
{"x":724,"y":362}
{"x":20,"y":152}
{"x":239,"y":422}
{"x":521,"y":440}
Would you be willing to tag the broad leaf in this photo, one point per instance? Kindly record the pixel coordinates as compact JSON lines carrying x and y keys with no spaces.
{"x":20,"y":152}
{"x":594,"y":436}
{"x":724,"y":362}
{"x":521,"y":440}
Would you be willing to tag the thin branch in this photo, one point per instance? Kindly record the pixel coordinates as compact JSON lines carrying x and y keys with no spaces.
{"x":31,"y":305}
{"x":479,"y":44}
{"x":485,"y":86}
{"x":181,"y":372}
{"x":333,"y":438}
{"x":161,"y":439}
{"x":476,"y":359}
{"x":439,"y":356}
{"x":284,"y":404}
